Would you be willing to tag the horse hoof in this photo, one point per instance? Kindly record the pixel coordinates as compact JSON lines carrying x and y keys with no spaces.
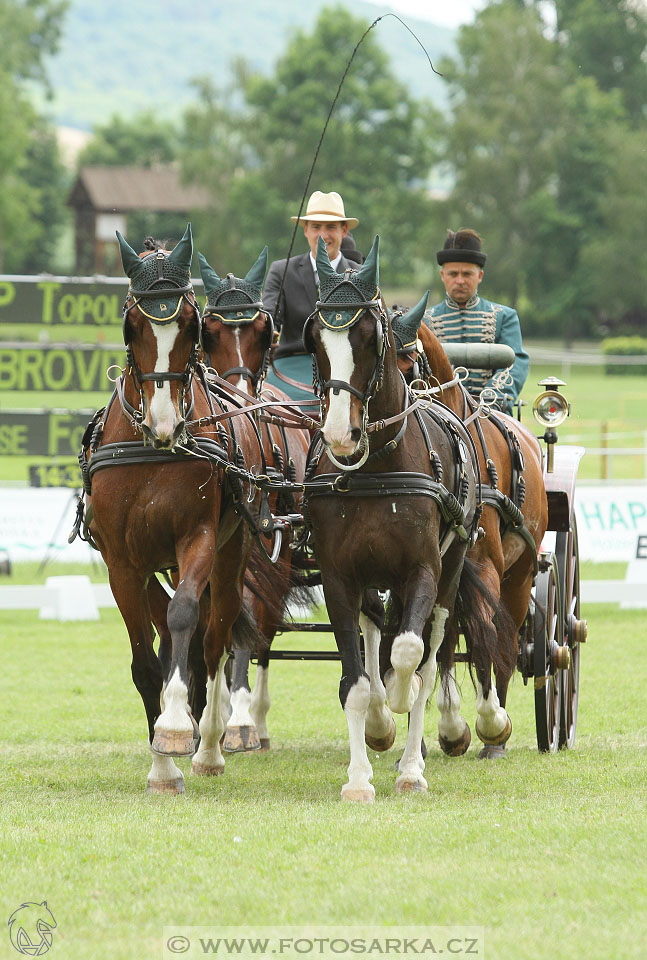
{"x":407,"y":785}
{"x":165,"y":786}
{"x":265,"y":744}
{"x":241,"y":740}
{"x":380,"y":744}
{"x":173,"y":743}
{"x":455,"y":748}
{"x":490,"y":752}
{"x":358,"y":794}
{"x":206,"y":770}
{"x":500,"y":739}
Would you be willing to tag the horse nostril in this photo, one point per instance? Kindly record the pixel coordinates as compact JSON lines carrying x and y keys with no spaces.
{"x":355,"y":434}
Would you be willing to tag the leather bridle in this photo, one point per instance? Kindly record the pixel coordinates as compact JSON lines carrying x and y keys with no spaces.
{"x":231,"y":315}
{"x":162,"y":288}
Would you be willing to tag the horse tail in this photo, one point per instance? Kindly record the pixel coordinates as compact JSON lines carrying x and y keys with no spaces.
{"x":489,"y":630}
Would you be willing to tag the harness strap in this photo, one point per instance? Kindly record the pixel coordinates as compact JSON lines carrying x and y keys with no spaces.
{"x":389,"y":485}
{"x":512,"y":519}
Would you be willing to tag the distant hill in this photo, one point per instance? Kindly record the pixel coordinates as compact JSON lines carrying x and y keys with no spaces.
{"x":121,"y":57}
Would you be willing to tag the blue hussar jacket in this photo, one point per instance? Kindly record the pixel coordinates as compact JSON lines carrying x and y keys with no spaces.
{"x":481,"y":321}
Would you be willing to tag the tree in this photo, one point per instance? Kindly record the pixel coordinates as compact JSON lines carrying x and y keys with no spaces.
{"x":607,"y":40}
{"x":506,"y":100}
{"x":142,"y":140}
{"x":29,"y":32}
{"x":536,"y":147}
{"x":43,"y":183}
{"x":378,"y":149}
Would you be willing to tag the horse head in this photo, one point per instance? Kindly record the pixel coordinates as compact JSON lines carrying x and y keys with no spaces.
{"x":236,"y":331}
{"x":349,"y":337}
{"x":161,"y":331}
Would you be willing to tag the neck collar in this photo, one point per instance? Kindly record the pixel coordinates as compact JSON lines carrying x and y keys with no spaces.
{"x":466,"y":306}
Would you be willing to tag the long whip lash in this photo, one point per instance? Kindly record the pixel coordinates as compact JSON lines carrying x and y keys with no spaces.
{"x":325,"y":127}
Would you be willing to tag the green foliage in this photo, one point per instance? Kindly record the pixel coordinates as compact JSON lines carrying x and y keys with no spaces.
{"x":377,"y":152}
{"x":29,"y":211}
{"x":607,"y":40}
{"x":142,"y":140}
{"x":624,"y":347}
{"x":541,"y":154}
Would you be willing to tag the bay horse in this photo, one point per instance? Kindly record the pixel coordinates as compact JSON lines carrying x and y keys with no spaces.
{"x":513,"y":523}
{"x":237,"y":335}
{"x":392,"y":503}
{"x":168,"y":502}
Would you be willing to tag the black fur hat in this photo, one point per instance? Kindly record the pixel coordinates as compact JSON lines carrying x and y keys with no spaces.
{"x":462,"y":246}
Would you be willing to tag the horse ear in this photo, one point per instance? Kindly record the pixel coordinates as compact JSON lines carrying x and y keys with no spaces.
{"x":182,"y":252}
{"x":415,"y":315}
{"x":256,"y":275}
{"x":131,"y":262}
{"x":370,"y":269}
{"x":324,"y":268}
{"x":209,"y":276}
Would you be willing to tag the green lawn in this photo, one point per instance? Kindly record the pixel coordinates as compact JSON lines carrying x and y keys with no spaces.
{"x":545,"y":852}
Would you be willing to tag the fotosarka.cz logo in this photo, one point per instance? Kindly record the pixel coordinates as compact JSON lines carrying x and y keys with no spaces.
{"x":324,"y":942}
{"x":30,"y":929}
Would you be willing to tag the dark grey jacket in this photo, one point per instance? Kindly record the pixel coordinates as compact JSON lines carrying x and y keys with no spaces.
{"x":297,"y":300}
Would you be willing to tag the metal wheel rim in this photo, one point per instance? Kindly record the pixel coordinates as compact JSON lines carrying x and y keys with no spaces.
{"x":548,"y":631}
{"x":569,"y":571}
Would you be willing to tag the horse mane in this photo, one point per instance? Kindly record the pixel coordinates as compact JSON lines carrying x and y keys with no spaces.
{"x":441,"y":367}
{"x":151,"y":245}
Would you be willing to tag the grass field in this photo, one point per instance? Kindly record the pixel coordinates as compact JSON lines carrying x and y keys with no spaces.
{"x":546,"y":853}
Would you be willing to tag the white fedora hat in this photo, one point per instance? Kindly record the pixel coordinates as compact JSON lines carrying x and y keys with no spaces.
{"x":326,"y":208}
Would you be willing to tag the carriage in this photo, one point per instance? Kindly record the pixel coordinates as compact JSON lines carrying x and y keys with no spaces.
{"x":214,"y":484}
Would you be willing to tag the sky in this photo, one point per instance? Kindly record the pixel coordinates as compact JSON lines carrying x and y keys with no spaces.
{"x":447,"y":13}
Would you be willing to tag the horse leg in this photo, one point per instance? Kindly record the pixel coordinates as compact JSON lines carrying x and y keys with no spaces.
{"x":175,"y":729}
{"x":260,"y":705}
{"x":380,"y":728}
{"x":240,"y":734}
{"x":226,"y":593}
{"x":209,"y":761}
{"x":412,"y":764}
{"x":402,"y":682}
{"x":454,"y":734}
{"x":354,"y":687}
{"x":164,"y":776}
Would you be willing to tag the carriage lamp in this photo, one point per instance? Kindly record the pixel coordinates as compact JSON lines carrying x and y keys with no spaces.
{"x":550,"y":409}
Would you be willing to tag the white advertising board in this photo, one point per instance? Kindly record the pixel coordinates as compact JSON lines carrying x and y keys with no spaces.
{"x":611,"y":520}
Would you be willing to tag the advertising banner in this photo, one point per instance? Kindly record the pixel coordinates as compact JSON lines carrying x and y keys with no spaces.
{"x":61,"y":367}
{"x":42,"y":433}
{"x":65,"y":301}
{"x":611,"y":521}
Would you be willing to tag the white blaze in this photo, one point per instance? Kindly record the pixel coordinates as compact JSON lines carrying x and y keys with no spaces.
{"x":242,"y":383}
{"x":336,"y":429}
{"x":162,"y":413}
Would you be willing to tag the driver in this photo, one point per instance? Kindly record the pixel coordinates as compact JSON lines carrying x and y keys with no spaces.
{"x":325,"y":216}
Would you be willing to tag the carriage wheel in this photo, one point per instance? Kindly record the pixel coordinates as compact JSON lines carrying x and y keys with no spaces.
{"x":548,"y":636}
{"x":574,"y":630}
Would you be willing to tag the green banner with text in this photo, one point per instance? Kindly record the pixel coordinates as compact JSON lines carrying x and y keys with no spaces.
{"x":58,"y":367}
{"x":48,"y":433}
{"x":65,"y":301}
